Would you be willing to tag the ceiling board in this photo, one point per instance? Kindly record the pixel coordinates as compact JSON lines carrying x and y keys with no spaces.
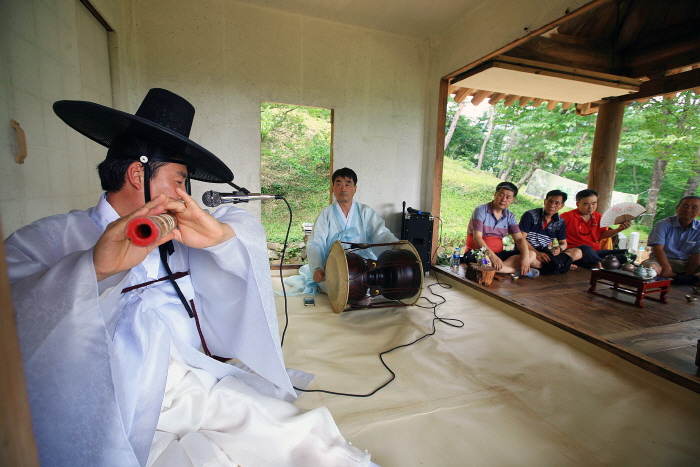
{"x":547,"y":82}
{"x":412,"y":18}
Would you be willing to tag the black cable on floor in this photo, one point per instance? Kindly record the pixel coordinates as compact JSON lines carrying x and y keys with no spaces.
{"x":284,"y":290}
{"x":448,"y":321}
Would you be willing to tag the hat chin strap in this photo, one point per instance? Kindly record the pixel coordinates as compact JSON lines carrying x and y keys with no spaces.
{"x":146,"y":181}
{"x":167,"y":248}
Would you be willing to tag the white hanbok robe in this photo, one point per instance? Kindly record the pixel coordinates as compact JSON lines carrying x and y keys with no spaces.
{"x":96,"y":359}
{"x":362,"y":225}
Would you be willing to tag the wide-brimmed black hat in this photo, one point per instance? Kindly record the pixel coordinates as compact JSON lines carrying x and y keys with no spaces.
{"x":163,"y":117}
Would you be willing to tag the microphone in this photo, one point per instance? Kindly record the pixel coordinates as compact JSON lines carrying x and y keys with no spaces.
{"x":214,"y":198}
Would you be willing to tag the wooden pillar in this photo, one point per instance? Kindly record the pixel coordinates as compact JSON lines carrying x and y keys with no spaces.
{"x":17,"y":447}
{"x":604,"y":157}
{"x":439,"y":159}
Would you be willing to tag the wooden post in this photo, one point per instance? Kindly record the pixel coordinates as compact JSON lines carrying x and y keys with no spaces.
{"x":17,"y":447}
{"x":439,"y":161}
{"x":604,"y":158}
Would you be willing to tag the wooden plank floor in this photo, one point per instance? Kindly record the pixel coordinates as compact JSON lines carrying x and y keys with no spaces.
{"x":661,"y":338}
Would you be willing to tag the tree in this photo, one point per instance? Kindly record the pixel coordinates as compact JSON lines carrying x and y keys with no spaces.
{"x":294,"y":163}
{"x":539,"y":138}
{"x":492,"y":112}
{"x":466,"y":137}
{"x":453,"y":125}
{"x":667,"y":134}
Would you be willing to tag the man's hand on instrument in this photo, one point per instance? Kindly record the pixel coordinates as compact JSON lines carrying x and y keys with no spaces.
{"x":319,"y":276}
{"x":114,"y":253}
{"x":195,"y":227}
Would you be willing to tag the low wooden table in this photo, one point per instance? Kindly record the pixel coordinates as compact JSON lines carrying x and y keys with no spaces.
{"x":629,"y":283}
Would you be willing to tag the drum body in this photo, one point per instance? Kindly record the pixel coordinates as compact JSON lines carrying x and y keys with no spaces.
{"x":396,"y":275}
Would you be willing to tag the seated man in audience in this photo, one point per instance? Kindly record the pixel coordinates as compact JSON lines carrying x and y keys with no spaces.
{"x":541,"y":227}
{"x":676,"y":243}
{"x":347,"y":221}
{"x":583,"y":231}
{"x":488,"y":225}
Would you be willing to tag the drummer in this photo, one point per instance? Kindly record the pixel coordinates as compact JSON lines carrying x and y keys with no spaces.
{"x":347,"y":221}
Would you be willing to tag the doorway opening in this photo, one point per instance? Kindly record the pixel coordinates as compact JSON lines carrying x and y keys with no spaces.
{"x":295,"y":162}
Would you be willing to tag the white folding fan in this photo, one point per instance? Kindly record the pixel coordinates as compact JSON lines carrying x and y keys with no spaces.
{"x":620,"y":213}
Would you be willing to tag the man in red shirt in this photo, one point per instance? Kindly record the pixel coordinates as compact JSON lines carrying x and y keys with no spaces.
{"x":583,"y":231}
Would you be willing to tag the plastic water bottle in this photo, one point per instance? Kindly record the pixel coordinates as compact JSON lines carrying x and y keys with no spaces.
{"x":455,"y":259}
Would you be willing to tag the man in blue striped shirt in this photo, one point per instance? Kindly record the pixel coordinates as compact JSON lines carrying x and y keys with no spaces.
{"x":542,"y":226}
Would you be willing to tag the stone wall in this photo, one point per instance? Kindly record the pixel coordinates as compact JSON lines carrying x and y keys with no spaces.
{"x":295,"y":253}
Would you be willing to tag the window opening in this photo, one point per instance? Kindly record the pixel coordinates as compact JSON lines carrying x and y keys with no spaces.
{"x":295,"y":162}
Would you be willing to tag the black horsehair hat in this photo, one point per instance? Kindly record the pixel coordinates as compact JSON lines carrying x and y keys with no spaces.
{"x":163,"y":118}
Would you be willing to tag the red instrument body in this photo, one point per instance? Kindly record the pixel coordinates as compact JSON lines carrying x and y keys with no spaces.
{"x":144,"y":231}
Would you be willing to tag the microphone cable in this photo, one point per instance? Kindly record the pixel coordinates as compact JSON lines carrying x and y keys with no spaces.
{"x":284,"y":250}
{"x":453,"y":322}
{"x":284,"y":290}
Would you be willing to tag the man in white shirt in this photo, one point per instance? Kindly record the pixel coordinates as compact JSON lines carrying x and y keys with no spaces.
{"x":347,"y":221}
{"x":124,"y":358}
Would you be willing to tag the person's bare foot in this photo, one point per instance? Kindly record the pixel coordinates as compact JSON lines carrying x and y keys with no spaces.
{"x":599,"y":265}
{"x":573,"y":267}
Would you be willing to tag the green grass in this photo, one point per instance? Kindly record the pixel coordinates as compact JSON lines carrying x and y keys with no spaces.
{"x":463,"y":189}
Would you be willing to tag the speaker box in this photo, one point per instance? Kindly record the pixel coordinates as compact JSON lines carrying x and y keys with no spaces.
{"x":418,"y":229}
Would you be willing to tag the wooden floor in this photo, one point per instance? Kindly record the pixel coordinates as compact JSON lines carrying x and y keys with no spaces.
{"x":661,"y":338}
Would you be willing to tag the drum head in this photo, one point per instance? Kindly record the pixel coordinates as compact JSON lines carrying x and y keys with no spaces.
{"x":405,"y":245}
{"x":337,"y":283}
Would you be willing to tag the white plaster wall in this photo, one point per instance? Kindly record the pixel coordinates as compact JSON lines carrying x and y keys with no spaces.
{"x":227,"y":57}
{"x":48,"y":51}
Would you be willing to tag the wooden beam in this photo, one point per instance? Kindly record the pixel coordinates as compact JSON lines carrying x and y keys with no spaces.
{"x":656,"y":87}
{"x":524,"y":101}
{"x":439,"y":159}
{"x":566,"y":105}
{"x":98,"y":16}
{"x":669,"y":48}
{"x":551,"y":105}
{"x":606,"y":141}
{"x":531,"y":34}
{"x":631,"y":20}
{"x":537,"y":102}
{"x":496,"y":97}
{"x":549,"y":69}
{"x":510,"y":99}
{"x":462,"y":94}
{"x":589,"y":108}
{"x":541,"y":49}
{"x":16,"y":435}
{"x":480,"y":96}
